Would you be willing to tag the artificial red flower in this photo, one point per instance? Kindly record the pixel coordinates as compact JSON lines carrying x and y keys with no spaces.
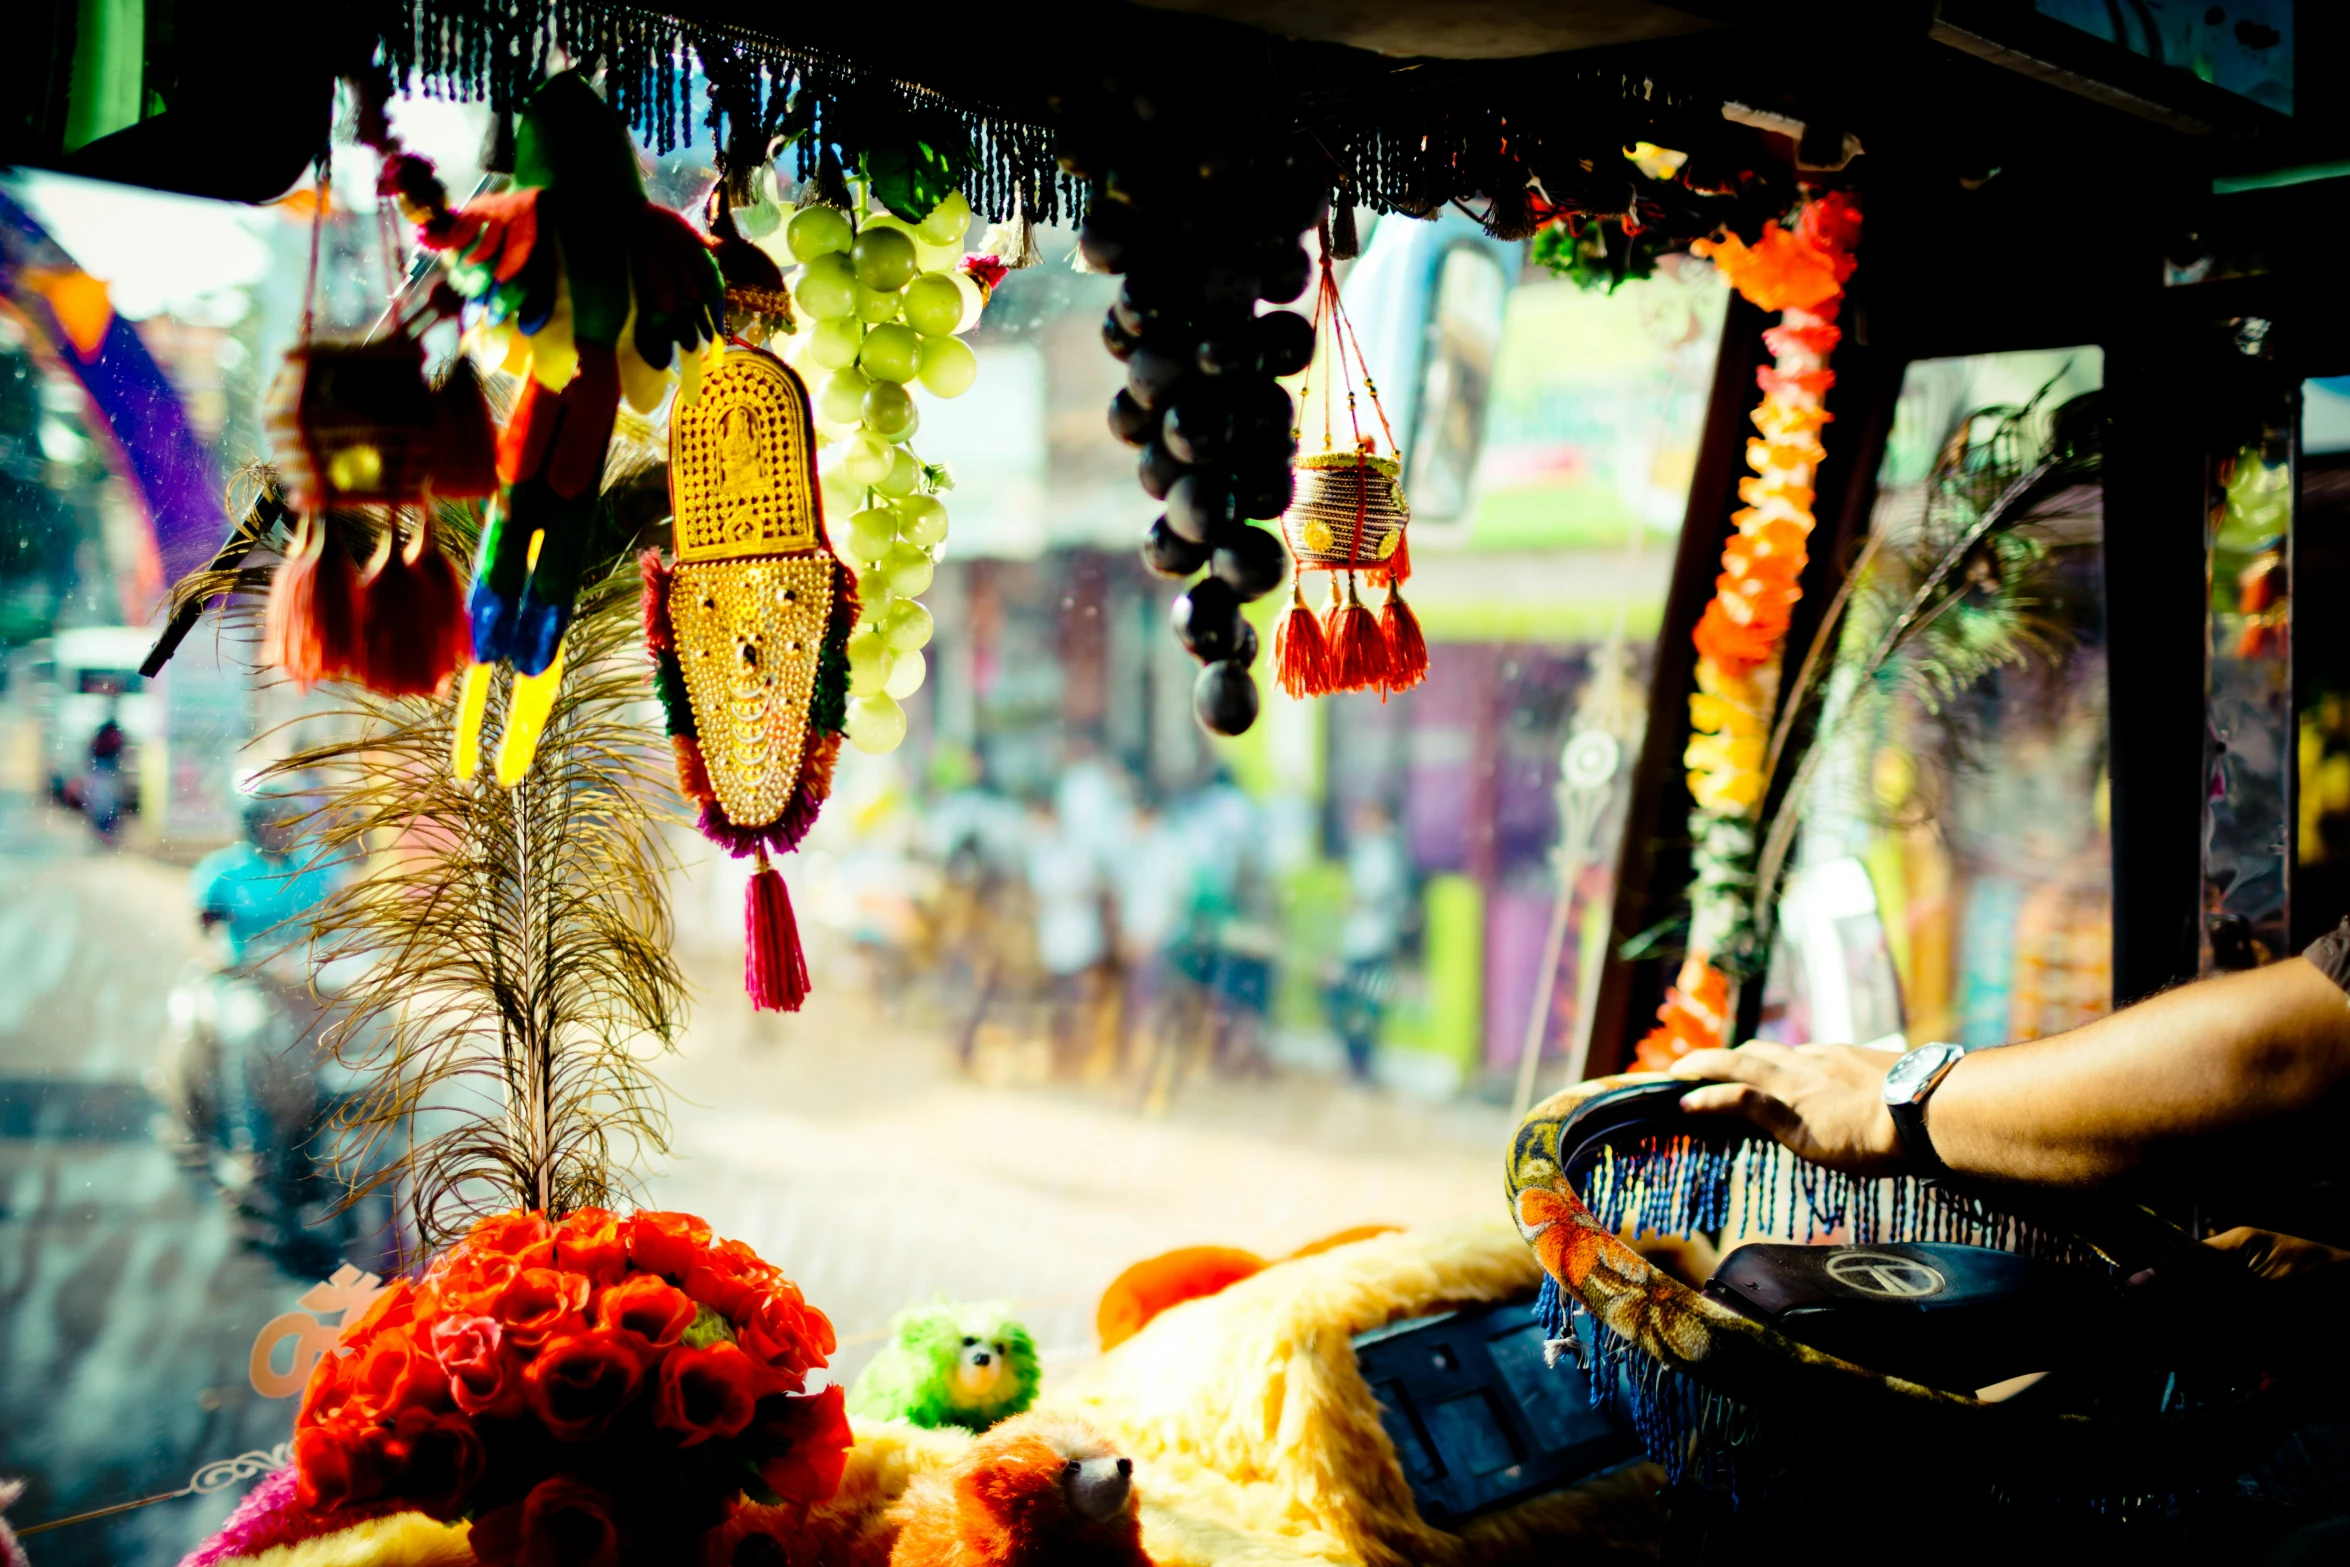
{"x":756,"y":1536}
{"x":707,"y":1392}
{"x":667,"y":1243}
{"x":563,"y":1522}
{"x":467,"y":1283}
{"x":485,"y":1378}
{"x":540,"y":1304}
{"x":730,"y":1278}
{"x":648,"y":1306}
{"x":1831,"y":224}
{"x":526,"y":1237}
{"x":394,"y":1373}
{"x":988,"y":272}
{"x":787,"y":1335}
{"x":807,"y":1440}
{"x":592,"y":1241}
{"x":393,"y":1307}
{"x":578,"y":1383}
{"x":336,"y":1465}
{"x":440,"y":1459}
{"x":332,"y":1385}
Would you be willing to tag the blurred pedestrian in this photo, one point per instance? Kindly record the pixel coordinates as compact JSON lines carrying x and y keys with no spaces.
{"x":1154,"y":886}
{"x":104,"y":795}
{"x":1378,"y":904}
{"x":1064,"y":878}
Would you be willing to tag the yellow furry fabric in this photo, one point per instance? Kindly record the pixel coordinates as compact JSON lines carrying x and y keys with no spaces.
{"x":1256,"y":1439}
{"x":402,"y":1540}
{"x":857,"y":1528}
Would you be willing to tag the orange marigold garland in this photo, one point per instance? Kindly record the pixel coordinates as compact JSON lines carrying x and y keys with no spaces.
{"x":1799,"y":271}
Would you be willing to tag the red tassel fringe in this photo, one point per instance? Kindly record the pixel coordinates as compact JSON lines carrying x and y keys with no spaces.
{"x":775,"y":970}
{"x":311,"y":630}
{"x":1301,"y":654}
{"x":1358,"y":654}
{"x":1407,"y":649}
{"x":413,"y":628}
{"x":660,"y":638}
{"x":693,"y":777}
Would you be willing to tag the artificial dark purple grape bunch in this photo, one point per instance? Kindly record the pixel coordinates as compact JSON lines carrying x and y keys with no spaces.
{"x":1203,"y":225}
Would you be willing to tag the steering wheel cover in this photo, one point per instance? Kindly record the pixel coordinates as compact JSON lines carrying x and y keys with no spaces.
{"x":1730,"y":1354}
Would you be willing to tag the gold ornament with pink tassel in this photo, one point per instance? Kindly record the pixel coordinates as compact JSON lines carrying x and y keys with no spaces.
{"x":749,"y":631}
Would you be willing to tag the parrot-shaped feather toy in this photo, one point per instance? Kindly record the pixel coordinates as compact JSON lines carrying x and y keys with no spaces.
{"x":594,"y":293}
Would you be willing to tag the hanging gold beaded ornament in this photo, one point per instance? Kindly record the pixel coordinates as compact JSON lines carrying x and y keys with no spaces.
{"x":748,"y":629}
{"x":1348,"y":521}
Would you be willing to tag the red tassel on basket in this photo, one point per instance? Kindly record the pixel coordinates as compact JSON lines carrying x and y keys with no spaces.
{"x":1358,"y":653}
{"x":413,"y":631}
{"x":775,"y":970}
{"x":1407,"y":649}
{"x":394,"y":659}
{"x":442,"y":624}
{"x":311,"y":630}
{"x":1301,"y":655}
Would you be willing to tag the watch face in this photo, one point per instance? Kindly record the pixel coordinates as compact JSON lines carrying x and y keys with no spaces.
{"x":1908,"y":1077}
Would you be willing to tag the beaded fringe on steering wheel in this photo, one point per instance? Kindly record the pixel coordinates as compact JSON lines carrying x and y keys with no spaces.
{"x":1682,"y":1185}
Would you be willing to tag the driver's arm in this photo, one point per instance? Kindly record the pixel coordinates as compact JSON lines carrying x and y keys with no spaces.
{"x":2237,"y":1053}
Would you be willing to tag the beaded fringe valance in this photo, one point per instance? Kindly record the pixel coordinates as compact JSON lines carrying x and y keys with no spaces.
{"x":656,"y":68}
{"x":1406,"y":136}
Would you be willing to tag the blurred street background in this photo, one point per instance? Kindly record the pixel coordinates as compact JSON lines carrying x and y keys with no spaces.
{"x":1089,"y":985}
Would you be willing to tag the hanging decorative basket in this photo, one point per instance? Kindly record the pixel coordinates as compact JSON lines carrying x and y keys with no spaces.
{"x":1348,"y":519}
{"x":353,"y":424}
{"x":365,"y":444}
{"x":1349,"y":513}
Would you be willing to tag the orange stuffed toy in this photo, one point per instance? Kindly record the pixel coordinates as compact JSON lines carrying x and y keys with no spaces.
{"x":1038,"y":1490}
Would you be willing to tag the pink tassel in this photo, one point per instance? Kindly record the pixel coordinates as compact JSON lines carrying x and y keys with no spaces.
{"x":775,"y":970}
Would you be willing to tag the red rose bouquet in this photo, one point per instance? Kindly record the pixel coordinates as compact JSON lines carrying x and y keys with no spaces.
{"x":595,"y":1390}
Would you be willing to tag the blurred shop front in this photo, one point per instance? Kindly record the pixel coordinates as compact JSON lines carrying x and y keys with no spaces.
{"x":1549,"y":435}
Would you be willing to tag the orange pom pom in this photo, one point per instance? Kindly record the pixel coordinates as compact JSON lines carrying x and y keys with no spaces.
{"x":1136,"y":1297}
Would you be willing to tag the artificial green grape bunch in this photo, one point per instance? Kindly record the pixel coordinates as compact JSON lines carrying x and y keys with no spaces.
{"x":882,"y":303}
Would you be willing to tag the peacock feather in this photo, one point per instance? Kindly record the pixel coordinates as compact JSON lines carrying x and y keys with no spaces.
{"x":1932,"y":608}
{"x":513,"y":984}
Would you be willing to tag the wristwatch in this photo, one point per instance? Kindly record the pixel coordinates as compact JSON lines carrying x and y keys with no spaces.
{"x":1907,"y":1083}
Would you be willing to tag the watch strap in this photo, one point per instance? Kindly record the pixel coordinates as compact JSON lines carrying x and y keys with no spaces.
{"x":1909,"y":1120}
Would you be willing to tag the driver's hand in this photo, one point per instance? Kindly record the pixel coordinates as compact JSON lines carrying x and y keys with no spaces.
{"x":1825,"y":1102}
{"x":2268,"y":1255}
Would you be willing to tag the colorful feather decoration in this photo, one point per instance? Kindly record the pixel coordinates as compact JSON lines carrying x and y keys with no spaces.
{"x":591,"y":294}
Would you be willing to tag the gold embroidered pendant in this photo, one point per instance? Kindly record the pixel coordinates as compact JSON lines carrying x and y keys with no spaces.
{"x":753,"y":590}
{"x":749,"y":633}
{"x":741,"y":474}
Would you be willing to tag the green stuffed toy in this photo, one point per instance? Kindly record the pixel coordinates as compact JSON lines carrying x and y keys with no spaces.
{"x":965,"y":1365}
